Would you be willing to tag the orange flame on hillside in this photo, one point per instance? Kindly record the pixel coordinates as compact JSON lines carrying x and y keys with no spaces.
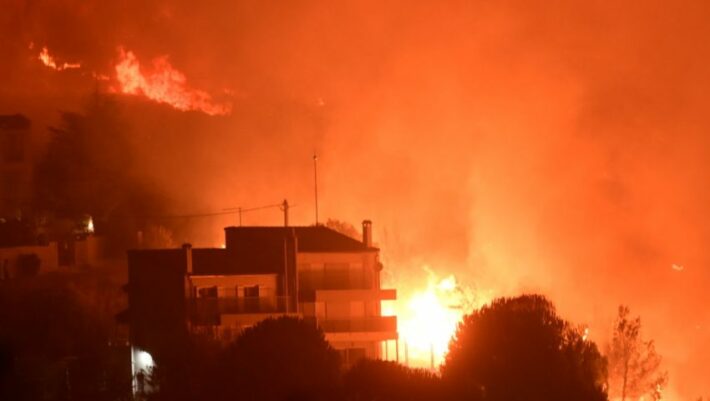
{"x":429,"y":316}
{"x":50,"y":62}
{"x":164,"y":84}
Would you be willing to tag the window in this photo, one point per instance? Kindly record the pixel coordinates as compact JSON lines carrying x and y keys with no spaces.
{"x":251,"y":299}
{"x":251,"y":292}
{"x":208,"y":292}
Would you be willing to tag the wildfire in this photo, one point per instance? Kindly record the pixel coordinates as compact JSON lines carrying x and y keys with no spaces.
{"x":428,"y":319}
{"x":50,"y":62}
{"x":163,"y":84}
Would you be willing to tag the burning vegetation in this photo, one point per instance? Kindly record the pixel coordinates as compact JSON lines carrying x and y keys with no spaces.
{"x":49,"y":61}
{"x":512,"y":148}
{"x":163,"y":84}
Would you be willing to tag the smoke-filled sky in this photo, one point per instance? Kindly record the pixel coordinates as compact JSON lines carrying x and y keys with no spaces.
{"x":548,"y":146}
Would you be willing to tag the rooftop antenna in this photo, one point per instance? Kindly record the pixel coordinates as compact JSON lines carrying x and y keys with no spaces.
{"x":315,"y":181}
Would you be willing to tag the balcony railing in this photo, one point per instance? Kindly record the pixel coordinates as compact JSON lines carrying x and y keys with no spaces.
{"x":368,"y":324}
{"x":208,"y":310}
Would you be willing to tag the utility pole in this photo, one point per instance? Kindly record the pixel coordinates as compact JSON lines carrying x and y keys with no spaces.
{"x":285,"y":209}
{"x":315,"y":180}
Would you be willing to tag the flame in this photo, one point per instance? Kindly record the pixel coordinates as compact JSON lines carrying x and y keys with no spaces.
{"x":50,"y":62}
{"x":164,"y":84}
{"x":428,"y":318}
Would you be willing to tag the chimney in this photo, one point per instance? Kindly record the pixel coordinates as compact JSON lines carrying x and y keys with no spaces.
{"x":367,"y":233}
{"x":188,"y":256}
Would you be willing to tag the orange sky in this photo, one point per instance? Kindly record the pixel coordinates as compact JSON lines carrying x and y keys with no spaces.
{"x":546,"y":146}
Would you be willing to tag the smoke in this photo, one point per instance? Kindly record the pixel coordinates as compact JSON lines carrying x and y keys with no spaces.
{"x":524,"y":146}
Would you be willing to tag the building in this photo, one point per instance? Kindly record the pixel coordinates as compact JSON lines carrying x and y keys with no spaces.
{"x":311,"y":272}
{"x":15,"y":164}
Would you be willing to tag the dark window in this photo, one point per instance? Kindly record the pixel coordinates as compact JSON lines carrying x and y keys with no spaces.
{"x":252,"y":291}
{"x":209,"y":292}
{"x":251,"y":299}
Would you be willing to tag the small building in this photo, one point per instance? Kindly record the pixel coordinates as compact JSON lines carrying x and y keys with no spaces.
{"x":312,"y":272}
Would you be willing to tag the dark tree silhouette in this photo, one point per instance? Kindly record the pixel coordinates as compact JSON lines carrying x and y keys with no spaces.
{"x":344,"y":228}
{"x":371,"y":380}
{"x":84,"y":170}
{"x":87,"y":170}
{"x":519,"y":349}
{"x":54,"y":340}
{"x":284,"y":358}
{"x":634,"y":365}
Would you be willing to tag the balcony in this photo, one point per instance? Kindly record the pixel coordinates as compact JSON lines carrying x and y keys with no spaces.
{"x":208,"y":311}
{"x":368,"y":324}
{"x":346,"y":295}
{"x":378,"y":328}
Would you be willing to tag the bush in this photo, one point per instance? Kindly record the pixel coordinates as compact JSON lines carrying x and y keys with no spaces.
{"x":371,"y":380}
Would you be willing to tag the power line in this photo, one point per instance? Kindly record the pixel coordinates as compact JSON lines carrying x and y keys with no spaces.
{"x":223,"y":212}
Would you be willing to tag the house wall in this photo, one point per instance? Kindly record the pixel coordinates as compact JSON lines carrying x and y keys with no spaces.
{"x":89,"y":251}
{"x":233,"y":285}
{"x":338,"y":288}
{"x":9,"y":259}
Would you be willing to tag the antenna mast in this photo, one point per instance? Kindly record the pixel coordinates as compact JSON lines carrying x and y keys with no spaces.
{"x":315,"y":181}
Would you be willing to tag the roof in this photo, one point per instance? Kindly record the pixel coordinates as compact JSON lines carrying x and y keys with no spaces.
{"x":250,"y":250}
{"x":310,"y":238}
{"x":14,"y":122}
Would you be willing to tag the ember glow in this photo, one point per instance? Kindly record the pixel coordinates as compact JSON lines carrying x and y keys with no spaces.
{"x":163,"y":84}
{"x":52,"y":63}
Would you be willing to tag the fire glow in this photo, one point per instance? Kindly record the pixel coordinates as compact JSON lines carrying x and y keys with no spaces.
{"x":428,"y":318}
{"x":50,"y":62}
{"x":163,"y":84}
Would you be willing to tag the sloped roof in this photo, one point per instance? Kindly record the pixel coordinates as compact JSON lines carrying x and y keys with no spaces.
{"x":310,"y":238}
{"x":252,"y":250}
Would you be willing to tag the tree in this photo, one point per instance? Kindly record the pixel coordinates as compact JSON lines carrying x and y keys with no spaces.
{"x":278,"y":359}
{"x":84,"y":168}
{"x":371,"y":380}
{"x":634,"y":365}
{"x":519,"y":349}
{"x":55,"y":340}
{"x":344,"y":228}
{"x":87,"y":170}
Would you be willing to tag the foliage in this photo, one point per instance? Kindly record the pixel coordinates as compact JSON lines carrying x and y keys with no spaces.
{"x":276,"y":359}
{"x":371,"y":380}
{"x":87,"y":170}
{"x":83,"y":170}
{"x":157,"y":236}
{"x":54,"y":340}
{"x":634,"y":365}
{"x":279,"y":358}
{"x":343,"y":227}
{"x":519,"y":348}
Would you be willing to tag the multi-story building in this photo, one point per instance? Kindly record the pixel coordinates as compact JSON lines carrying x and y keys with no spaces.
{"x":311,"y":272}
